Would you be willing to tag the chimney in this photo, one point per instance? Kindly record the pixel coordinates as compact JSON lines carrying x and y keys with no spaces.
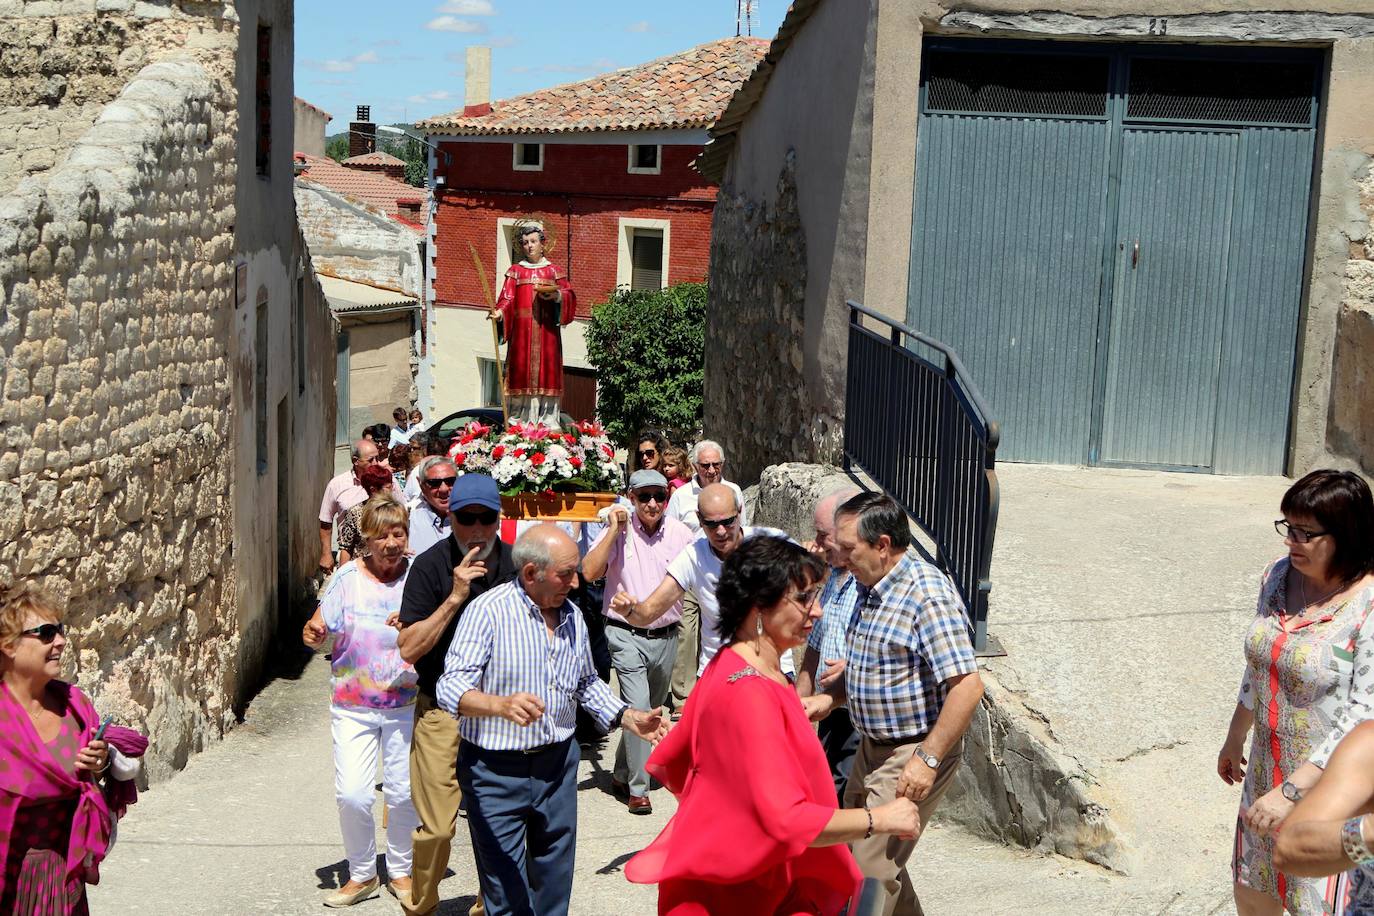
{"x":362,"y":133}
{"x":477,"y":82}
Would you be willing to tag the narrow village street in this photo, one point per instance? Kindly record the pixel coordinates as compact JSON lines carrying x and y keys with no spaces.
{"x":250,"y":827}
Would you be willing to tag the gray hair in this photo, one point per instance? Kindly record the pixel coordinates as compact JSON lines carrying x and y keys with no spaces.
{"x":835,"y":497}
{"x":433,"y":461}
{"x":531,"y":547}
{"x":357,"y":447}
{"x":702,"y":446}
{"x":878,"y":514}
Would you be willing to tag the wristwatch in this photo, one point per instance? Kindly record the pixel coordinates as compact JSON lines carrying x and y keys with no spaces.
{"x":1291,"y":792}
{"x":929,"y":760}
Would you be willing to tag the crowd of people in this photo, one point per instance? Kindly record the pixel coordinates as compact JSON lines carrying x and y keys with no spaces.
{"x":805,"y":703}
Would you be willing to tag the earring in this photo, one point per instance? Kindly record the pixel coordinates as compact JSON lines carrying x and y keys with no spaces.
{"x":759,"y":621}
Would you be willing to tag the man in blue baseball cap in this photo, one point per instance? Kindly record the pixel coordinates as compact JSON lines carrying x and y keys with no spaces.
{"x":442,"y":582}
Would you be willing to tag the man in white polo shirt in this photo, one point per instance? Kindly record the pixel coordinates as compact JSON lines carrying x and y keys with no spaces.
{"x":708,"y":466}
{"x":697,"y":570}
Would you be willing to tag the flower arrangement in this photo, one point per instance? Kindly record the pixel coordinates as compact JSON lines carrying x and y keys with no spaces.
{"x":531,"y":458}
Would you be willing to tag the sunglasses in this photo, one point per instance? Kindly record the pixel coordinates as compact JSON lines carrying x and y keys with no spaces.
{"x":710,"y":465}
{"x":45,"y":633}
{"x":806,"y":598}
{"x":435,"y":483}
{"x":647,"y":452}
{"x":643,"y":497}
{"x":720,"y":522}
{"x":485,"y":517}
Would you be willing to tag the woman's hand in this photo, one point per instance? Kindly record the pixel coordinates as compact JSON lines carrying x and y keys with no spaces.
{"x":93,"y":758}
{"x":1231,"y":762}
{"x":1266,"y":814}
{"x":313,"y":633}
{"x":899,"y":817}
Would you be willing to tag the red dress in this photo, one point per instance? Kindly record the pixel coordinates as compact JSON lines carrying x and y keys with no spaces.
{"x":532,"y":327}
{"x":753,"y":791}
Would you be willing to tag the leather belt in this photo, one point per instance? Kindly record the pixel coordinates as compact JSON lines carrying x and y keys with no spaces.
{"x":895,"y":742}
{"x":647,"y":633}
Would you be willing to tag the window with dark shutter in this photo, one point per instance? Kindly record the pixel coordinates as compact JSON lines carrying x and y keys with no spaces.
{"x":263,"y":100}
{"x":646,"y":259}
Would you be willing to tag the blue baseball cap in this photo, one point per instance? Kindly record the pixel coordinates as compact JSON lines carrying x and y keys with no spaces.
{"x":474,"y":490}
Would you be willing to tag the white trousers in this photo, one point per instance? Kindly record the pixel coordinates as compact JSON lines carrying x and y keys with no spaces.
{"x":359,"y":733}
{"x":536,"y":408}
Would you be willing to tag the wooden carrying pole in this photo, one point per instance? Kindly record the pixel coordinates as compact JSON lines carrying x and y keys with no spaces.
{"x":490,"y":292}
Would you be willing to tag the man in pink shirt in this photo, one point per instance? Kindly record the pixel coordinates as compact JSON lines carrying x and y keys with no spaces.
{"x":342,"y":493}
{"x":633,"y":554}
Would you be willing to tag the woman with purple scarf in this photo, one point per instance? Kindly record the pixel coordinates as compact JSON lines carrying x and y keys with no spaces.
{"x":55,"y":819}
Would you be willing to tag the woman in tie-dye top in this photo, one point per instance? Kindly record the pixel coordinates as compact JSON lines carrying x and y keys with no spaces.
{"x":374,"y":693}
{"x":1309,"y":679}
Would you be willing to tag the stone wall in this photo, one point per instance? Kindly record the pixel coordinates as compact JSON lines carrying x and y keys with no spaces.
{"x":1350,"y":431}
{"x":61,"y":62}
{"x":116,"y":268}
{"x":754,"y":326}
{"x":355,"y":242}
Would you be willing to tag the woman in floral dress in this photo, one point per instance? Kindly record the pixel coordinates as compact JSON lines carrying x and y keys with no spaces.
{"x":1309,"y":679}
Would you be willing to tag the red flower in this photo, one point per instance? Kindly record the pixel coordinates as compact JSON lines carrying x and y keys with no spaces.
{"x":519,"y":453}
{"x":460,"y":459}
{"x":497,"y":452}
{"x":537,"y":459}
{"x":575,"y":461}
{"x":548,"y":494}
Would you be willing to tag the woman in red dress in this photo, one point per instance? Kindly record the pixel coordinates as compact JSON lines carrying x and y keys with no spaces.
{"x":756,"y":830}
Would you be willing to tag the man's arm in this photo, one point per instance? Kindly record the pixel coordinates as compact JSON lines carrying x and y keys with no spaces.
{"x":417,"y":639}
{"x":643,"y":613}
{"x":965,"y":692}
{"x":595,"y":562}
{"x":806,"y":677}
{"x":326,"y":545}
{"x":1309,"y":844}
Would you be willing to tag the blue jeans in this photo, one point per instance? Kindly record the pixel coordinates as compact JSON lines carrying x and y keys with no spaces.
{"x":522,"y":815}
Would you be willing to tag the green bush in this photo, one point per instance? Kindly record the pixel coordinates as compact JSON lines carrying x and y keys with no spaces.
{"x":647,"y":348}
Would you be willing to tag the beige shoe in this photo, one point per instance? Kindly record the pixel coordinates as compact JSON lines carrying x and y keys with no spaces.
{"x":366,"y":892}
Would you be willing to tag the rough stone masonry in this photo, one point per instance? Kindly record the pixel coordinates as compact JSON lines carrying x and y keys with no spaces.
{"x":116,"y":275}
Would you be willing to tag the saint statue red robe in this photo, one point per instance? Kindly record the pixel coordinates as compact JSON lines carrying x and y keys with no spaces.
{"x":534,"y":341}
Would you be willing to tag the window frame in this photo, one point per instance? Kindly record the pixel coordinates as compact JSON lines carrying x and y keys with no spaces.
{"x":624,"y":266}
{"x":518,"y":166}
{"x":634,"y":169}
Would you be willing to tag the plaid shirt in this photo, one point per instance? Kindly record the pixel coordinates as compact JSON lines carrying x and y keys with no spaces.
{"x":909,"y":637}
{"x":839,"y":598}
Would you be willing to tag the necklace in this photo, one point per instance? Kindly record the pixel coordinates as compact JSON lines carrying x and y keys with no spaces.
{"x":1307,"y":605}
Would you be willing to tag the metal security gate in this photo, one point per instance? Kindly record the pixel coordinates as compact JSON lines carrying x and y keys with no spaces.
{"x":1113,"y":238}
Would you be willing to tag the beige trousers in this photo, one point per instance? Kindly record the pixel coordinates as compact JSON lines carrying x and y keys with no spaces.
{"x":688,"y":651}
{"x":434,"y":789}
{"x":873,"y":781}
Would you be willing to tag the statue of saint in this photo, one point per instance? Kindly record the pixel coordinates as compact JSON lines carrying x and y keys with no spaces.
{"x":535,"y":302}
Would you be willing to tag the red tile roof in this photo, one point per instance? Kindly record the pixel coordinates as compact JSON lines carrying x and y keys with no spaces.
{"x":684,"y":90}
{"x":371,"y":188}
{"x":377,"y":158}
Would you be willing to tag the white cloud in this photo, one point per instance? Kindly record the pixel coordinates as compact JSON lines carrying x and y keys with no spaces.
{"x":467,"y":8}
{"x":437,"y":95}
{"x":641,"y":26}
{"x":343,"y":64}
{"x":454,"y":24}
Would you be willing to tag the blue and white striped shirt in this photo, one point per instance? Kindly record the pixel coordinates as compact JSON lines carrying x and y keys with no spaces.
{"x":839,"y":605}
{"x":501,"y":646}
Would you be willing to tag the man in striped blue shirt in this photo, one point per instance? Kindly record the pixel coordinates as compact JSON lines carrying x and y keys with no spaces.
{"x":519,"y":665}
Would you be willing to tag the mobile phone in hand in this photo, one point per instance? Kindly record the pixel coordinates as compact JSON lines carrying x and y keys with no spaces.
{"x":100,"y":732}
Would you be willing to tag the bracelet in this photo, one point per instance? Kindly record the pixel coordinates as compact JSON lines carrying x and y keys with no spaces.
{"x":869,"y":812}
{"x":1352,"y":842}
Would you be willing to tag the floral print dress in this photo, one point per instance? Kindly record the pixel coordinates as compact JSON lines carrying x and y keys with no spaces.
{"x":1308,"y":682}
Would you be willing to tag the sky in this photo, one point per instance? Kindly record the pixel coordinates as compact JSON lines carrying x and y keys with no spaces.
{"x":405,"y":57}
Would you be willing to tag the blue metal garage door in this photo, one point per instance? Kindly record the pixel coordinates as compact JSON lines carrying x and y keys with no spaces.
{"x":1113,"y":238}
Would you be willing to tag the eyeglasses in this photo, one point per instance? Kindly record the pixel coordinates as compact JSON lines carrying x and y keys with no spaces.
{"x":435,"y":483}
{"x":1293,"y":532}
{"x":720,"y":522}
{"x":485,"y":517}
{"x":644,"y":497}
{"x":710,"y":465}
{"x":45,"y":633}
{"x":647,"y":452}
{"x":806,"y":598}
{"x":378,"y":458}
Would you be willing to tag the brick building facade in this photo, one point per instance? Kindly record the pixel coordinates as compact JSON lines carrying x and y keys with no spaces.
{"x":606,"y":166}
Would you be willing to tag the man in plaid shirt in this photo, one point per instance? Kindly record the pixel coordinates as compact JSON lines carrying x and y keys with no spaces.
{"x":911,"y":683}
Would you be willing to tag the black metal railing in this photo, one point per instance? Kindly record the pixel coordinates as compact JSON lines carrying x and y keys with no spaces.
{"x":919,"y":428}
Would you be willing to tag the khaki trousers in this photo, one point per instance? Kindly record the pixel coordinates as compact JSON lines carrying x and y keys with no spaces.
{"x":434,"y":789}
{"x":688,"y":651}
{"x":873,"y":781}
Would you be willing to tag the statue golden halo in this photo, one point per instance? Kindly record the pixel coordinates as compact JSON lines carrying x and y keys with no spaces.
{"x":541,"y":220}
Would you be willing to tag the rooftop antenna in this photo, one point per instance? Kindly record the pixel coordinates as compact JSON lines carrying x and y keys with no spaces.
{"x":744,"y":16}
